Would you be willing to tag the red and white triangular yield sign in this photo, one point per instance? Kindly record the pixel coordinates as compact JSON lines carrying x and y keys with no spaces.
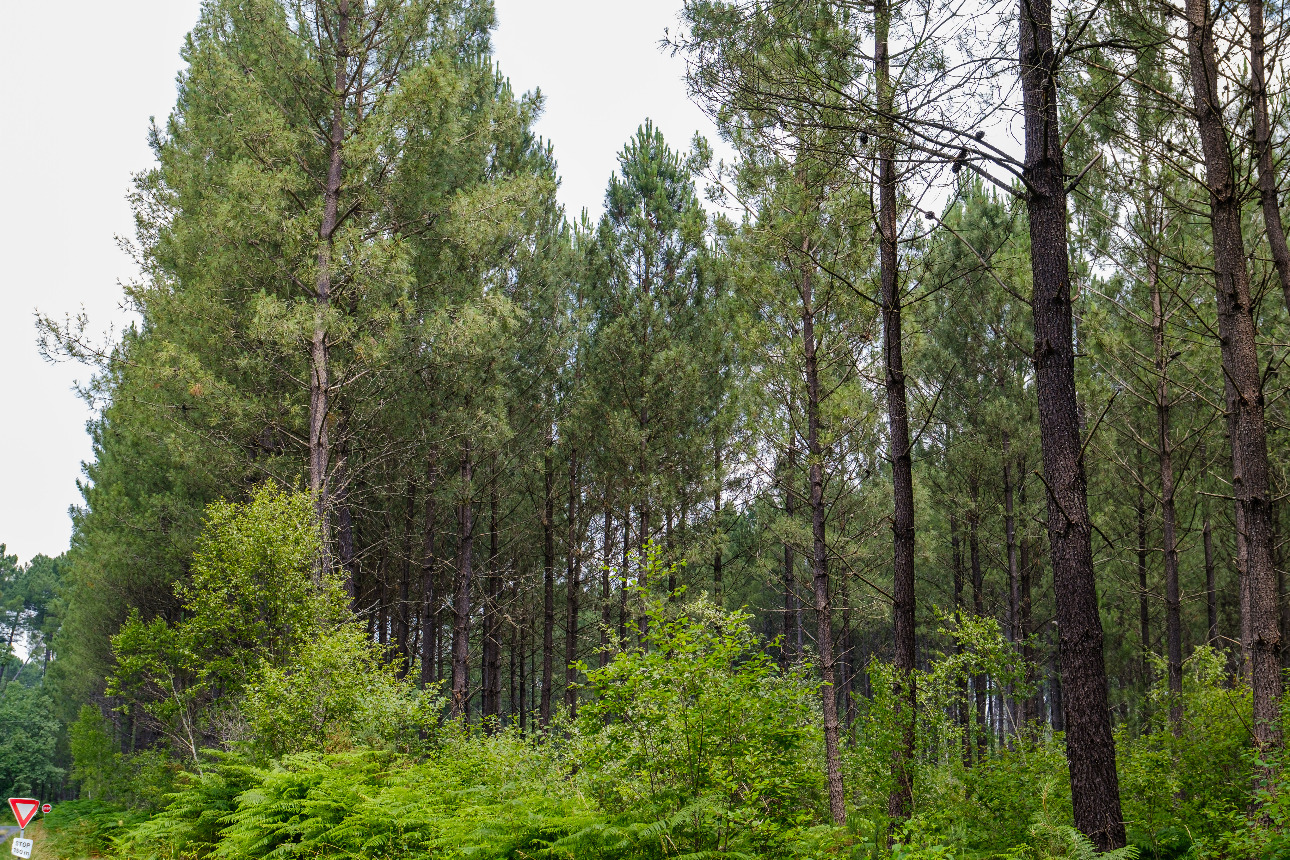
{"x":24,"y":809}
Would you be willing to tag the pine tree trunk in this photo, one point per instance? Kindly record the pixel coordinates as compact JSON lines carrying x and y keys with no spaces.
{"x":512,"y":659}
{"x":403,"y":626}
{"x":319,"y":344}
{"x":1144,"y":609}
{"x":382,"y":599}
{"x":522,"y":706}
{"x":1014,"y":571}
{"x":844,"y":663}
{"x":491,"y":706}
{"x":1168,"y":513}
{"x":1033,"y":706}
{"x":345,"y":534}
{"x":1211,"y":587}
{"x":981,"y":740}
{"x":899,"y":803}
{"x":1243,"y":381}
{"x":791,"y":650}
{"x":718,"y":538}
{"x":1267,"y":178}
{"x":606,"y":618}
{"x":548,"y":584}
{"x":1090,"y":750}
{"x":574,"y":591}
{"x":622,"y":576}
{"x":961,"y":703}
{"x":461,"y":586}
{"x":819,"y":555}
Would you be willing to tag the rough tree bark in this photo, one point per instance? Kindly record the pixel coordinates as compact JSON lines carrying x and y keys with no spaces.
{"x":1090,"y":750}
{"x":900,"y":801}
{"x":1243,"y":380}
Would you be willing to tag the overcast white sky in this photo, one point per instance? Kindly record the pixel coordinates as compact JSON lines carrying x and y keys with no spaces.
{"x":82,"y":82}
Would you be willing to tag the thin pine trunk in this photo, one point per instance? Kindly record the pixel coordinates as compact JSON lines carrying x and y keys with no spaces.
{"x":1168,"y":513}
{"x":791,"y":650}
{"x":819,"y":554}
{"x":548,"y":584}
{"x":961,"y":700}
{"x":981,"y":739}
{"x":461,"y":586}
{"x":605,"y":605}
{"x":717,"y":536}
{"x":403,"y":621}
{"x":320,"y":382}
{"x":1014,"y":569}
{"x":573,"y":584}
{"x":492,"y":680}
{"x":1211,"y":588}
{"x":1144,"y":609}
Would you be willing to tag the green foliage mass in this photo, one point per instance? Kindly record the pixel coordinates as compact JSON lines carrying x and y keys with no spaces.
{"x":29,"y":730}
{"x":264,"y":655}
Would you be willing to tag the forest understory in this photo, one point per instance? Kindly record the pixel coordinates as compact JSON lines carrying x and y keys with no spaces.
{"x":910,"y":484}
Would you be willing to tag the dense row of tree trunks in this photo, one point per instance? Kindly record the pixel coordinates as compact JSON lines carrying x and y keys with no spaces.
{"x":1243,"y":383}
{"x":1090,"y":749}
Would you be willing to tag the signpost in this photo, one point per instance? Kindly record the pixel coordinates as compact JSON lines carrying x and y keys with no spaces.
{"x":24,"y":810}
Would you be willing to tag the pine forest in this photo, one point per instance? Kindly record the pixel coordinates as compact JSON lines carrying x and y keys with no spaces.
{"x":904,"y":474}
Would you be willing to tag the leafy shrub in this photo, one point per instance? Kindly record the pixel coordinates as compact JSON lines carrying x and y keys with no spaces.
{"x":696,"y":732}
{"x":336,"y":693}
